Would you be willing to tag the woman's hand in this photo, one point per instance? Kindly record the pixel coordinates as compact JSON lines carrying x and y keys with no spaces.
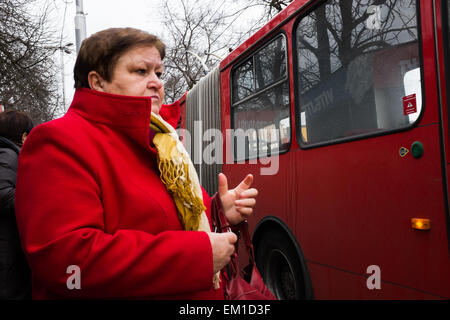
{"x":237,"y":203}
{"x":222,"y":245}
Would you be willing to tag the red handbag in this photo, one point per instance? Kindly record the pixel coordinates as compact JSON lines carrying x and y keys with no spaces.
{"x":245,"y":283}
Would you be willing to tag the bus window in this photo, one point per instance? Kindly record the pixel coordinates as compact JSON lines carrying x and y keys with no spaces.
{"x":285,"y":132}
{"x":413,"y":86}
{"x":358,"y":70}
{"x":243,"y":81}
{"x":260,"y":103}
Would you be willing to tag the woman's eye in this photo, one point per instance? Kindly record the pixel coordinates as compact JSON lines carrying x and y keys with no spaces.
{"x":141,"y":71}
{"x":159,"y":75}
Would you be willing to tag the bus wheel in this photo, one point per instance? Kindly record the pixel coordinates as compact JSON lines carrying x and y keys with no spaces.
{"x":278,"y":263}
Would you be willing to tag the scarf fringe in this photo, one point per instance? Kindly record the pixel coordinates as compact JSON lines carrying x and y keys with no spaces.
{"x":172,"y":176}
{"x":181,"y":180}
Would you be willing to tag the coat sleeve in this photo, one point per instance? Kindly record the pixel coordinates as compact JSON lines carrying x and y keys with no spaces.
{"x":8,"y":169}
{"x":61,"y":222}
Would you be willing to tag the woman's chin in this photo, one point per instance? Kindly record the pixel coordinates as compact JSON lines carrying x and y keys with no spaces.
{"x":156,"y":109}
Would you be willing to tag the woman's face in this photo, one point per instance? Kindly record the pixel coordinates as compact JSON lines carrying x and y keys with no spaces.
{"x":138,"y":73}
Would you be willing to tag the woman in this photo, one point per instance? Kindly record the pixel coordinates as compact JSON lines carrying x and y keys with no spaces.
{"x":102,"y":200}
{"x":15,"y":278}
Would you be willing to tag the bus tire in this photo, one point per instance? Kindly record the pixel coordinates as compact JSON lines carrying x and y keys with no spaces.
{"x":279,"y":264}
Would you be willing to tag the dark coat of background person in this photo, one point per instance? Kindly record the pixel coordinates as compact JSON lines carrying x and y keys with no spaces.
{"x":15,"y":278}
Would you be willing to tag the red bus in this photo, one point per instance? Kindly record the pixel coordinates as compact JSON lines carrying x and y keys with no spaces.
{"x":345,"y":101}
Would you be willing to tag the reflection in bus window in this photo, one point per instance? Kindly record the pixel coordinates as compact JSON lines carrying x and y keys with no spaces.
{"x":261,"y":105}
{"x":270,"y":65}
{"x":353,"y":60}
{"x":285,"y":132}
{"x":243,"y":81}
{"x":413,"y":86}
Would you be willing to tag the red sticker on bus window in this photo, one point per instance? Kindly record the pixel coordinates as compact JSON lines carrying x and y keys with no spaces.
{"x":409,"y":104}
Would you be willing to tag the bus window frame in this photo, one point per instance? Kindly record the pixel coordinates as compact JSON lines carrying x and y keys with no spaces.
{"x":374,"y":134}
{"x":245,"y":56}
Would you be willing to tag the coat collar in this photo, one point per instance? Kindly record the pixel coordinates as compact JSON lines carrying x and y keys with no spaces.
{"x":119,"y":110}
{"x":6,"y":143}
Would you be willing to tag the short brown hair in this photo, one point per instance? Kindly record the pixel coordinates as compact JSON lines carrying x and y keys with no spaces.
{"x":13,"y":124}
{"x":101,"y":51}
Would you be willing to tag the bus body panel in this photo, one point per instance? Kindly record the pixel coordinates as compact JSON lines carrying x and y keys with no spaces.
{"x":350,"y":204}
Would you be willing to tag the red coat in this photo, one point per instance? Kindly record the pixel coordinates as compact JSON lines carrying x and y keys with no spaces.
{"x":89,"y":194}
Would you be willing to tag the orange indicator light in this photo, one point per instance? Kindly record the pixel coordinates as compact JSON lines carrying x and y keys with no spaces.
{"x":420,"y":224}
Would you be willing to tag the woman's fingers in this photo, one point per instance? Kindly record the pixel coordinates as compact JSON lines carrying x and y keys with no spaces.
{"x":245,"y":184}
{"x":222,"y":245}
{"x":250,"y":193}
{"x":244,"y":205}
{"x":249,"y":202}
{"x":245,"y":211}
{"x":223,"y":184}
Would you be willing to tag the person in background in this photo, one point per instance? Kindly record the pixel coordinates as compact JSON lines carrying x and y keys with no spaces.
{"x":15,"y":278}
{"x":108,"y":203}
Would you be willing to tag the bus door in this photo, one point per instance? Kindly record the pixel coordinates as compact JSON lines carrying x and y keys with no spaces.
{"x":367,"y":119}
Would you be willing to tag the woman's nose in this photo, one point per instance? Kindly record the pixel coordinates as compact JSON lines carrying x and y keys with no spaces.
{"x":154,"y":82}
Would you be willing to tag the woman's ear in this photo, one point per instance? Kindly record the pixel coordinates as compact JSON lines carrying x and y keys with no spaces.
{"x":95,"y":81}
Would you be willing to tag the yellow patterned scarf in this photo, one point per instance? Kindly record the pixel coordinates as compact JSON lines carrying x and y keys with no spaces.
{"x":180,"y":178}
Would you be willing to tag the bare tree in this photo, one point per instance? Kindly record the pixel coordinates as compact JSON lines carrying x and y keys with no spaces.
{"x":335,"y":34}
{"x":198,"y":37}
{"x":27,"y":69}
{"x":343,"y":47}
{"x":191,"y":31}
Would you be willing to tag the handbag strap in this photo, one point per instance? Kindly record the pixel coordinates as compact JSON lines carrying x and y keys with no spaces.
{"x":221,"y":224}
{"x":245,"y":234}
{"x":218,"y":219}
